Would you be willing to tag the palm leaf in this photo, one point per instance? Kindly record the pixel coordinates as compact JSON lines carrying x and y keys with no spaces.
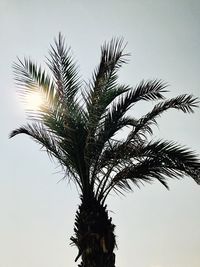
{"x":184,"y":102}
{"x":64,"y":70}
{"x":103,"y":88}
{"x":180,"y":157}
{"x":151,"y":90}
{"x":30,"y":78}
{"x":105,"y":77}
{"x":159,"y":160}
{"x":113,"y":121}
{"x":52,"y":145}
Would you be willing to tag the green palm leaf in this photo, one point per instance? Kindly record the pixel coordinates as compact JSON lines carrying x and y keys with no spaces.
{"x":113,"y":121}
{"x":31,"y":78}
{"x":53,"y":146}
{"x":103,"y":88}
{"x":64,"y":70}
{"x":159,"y":160}
{"x":185,"y":103}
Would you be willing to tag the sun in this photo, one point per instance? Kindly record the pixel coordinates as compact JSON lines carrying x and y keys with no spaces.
{"x":34,"y":101}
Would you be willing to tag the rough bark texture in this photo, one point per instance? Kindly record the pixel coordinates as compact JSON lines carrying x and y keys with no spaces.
{"x":94,"y":235}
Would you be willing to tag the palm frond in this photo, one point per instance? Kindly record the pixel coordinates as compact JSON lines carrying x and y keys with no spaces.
{"x":105,"y":76}
{"x":120,"y":152}
{"x":64,"y":69}
{"x":114,"y":121}
{"x":52,"y":145}
{"x":71,"y":130}
{"x":159,"y":160}
{"x":151,"y":90}
{"x":103,"y":88}
{"x":31,"y":78}
{"x":185,"y":103}
{"x":176,"y":156}
{"x":40,"y":135}
{"x":106,"y":133}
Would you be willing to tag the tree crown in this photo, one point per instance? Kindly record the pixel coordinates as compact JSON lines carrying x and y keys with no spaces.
{"x":78,"y":122}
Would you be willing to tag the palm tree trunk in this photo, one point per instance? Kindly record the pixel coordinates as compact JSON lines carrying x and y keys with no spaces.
{"x":94,"y":234}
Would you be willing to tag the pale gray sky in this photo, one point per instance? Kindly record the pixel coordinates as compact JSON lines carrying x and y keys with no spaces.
{"x":155,"y":228}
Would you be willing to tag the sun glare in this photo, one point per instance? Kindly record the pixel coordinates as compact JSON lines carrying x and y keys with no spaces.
{"x":34,"y":101}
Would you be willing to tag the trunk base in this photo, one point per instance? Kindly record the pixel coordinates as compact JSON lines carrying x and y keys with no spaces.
{"x":94,"y":235}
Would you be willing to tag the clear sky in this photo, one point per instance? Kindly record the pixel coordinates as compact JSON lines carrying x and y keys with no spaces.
{"x":155,"y":228}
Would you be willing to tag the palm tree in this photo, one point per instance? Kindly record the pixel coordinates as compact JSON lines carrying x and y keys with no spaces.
{"x":78,"y":125}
